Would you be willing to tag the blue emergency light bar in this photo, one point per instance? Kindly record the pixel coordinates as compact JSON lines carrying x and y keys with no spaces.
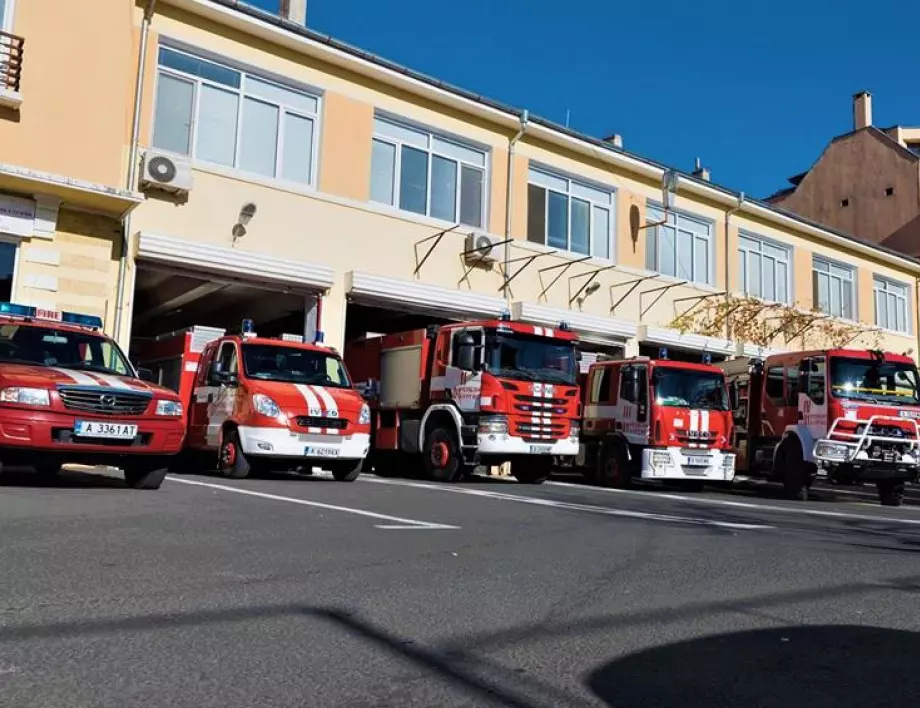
{"x":663,"y":353}
{"x":319,"y":337}
{"x":707,"y":358}
{"x":505,"y":316}
{"x":11,"y":309}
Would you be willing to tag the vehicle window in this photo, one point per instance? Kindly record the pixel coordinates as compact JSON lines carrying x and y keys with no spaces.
{"x":46,"y":346}
{"x":775,"y":384}
{"x":686,"y":388}
{"x":228,"y":357}
{"x":267,"y":362}
{"x":625,"y":393}
{"x":870,"y":380}
{"x":792,"y":385}
{"x":815,"y":379}
{"x":606,"y":391}
{"x":530,"y":358}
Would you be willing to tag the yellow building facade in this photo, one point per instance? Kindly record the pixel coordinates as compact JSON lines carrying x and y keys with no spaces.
{"x":303,"y":183}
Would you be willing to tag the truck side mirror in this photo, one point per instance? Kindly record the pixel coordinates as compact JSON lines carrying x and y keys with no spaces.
{"x":466,"y":354}
{"x":146,"y":375}
{"x":216,"y":373}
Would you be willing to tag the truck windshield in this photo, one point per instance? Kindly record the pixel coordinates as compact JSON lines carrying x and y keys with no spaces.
{"x":530,"y":358}
{"x":47,"y":346}
{"x":291,"y":365}
{"x":872,"y":380}
{"x":686,"y":388}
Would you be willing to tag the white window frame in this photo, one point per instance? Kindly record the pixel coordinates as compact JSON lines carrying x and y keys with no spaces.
{"x":550,"y":180}
{"x":743,"y":263}
{"x":832,"y":277}
{"x":881,"y":288}
{"x":430,"y":134}
{"x":655,"y":213}
{"x":243,"y":71}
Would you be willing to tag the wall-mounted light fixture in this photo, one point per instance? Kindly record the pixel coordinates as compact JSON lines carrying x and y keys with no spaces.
{"x":246,"y":213}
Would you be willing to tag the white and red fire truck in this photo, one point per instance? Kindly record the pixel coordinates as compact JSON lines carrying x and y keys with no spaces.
{"x":656,"y":419}
{"x":843,"y":414}
{"x":69,"y":395}
{"x":471,"y":393}
{"x":261,"y":403}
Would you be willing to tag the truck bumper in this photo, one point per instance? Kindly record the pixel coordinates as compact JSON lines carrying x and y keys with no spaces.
{"x":281,"y":442}
{"x":23,"y":433}
{"x":675,"y":463}
{"x":492,"y":444}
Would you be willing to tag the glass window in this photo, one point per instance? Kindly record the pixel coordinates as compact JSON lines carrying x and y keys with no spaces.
{"x":284,"y":364}
{"x":198,"y":107}
{"x":452,"y":189}
{"x":569,"y":215}
{"x":46,"y":346}
{"x":7,"y":267}
{"x":832,"y":288}
{"x":681,"y":246}
{"x":774,"y":386}
{"x":891,"y":306}
{"x":764,"y":269}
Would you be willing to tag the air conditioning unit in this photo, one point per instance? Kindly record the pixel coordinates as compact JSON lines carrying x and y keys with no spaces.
{"x":481,"y":248}
{"x":167,"y":172}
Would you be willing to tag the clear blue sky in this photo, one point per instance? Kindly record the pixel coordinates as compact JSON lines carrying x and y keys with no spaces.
{"x":755,"y":93}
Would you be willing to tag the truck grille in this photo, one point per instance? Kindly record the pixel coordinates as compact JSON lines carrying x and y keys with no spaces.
{"x":308,"y":421}
{"x":104,"y":401}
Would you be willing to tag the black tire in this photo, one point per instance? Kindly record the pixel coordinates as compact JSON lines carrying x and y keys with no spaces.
{"x":533,"y":469}
{"x":231,"y":459}
{"x":890,"y":492}
{"x":347,"y":470}
{"x":613,"y":465}
{"x":792,"y":470}
{"x":442,"y":456}
{"x":49,"y":469}
{"x":145,"y":475}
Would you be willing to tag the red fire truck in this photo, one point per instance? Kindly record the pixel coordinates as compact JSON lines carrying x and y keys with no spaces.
{"x":261,"y":403}
{"x":656,"y":419}
{"x":846,"y":415}
{"x":69,"y":395}
{"x":471,"y":393}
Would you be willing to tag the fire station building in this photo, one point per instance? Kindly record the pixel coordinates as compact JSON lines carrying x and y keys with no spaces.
{"x":310,"y":186}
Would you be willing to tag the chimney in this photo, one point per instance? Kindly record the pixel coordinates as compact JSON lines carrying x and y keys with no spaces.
{"x":294,"y":11}
{"x":616,"y":140}
{"x":700,"y":171}
{"x":862,"y":110}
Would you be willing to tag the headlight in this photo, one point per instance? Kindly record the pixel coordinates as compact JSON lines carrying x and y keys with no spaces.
{"x":26,"y":396}
{"x":364,"y":417}
{"x":265,"y":405}
{"x":173,"y":408}
{"x":573,"y":431}
{"x":493,"y":425}
{"x":728,"y":461}
{"x":832,"y":450}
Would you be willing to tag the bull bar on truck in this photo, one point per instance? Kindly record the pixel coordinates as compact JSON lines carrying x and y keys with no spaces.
{"x":855,"y":451}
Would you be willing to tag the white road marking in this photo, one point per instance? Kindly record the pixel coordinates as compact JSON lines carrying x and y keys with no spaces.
{"x":744,"y":505}
{"x":400,"y":522}
{"x":552,"y":503}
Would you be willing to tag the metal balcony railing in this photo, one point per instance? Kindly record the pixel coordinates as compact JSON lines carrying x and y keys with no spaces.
{"x":10,"y":60}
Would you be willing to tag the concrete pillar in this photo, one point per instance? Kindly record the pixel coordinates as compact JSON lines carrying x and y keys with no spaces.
{"x":310,"y":316}
{"x":631,"y":348}
{"x":295,"y":11}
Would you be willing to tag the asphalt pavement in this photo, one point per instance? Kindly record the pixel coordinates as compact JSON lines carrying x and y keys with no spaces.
{"x":293,"y":591}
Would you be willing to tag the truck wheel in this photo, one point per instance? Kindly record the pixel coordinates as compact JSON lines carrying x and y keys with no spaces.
{"x":793,"y":471}
{"x":442,"y":457}
{"x":145,"y":475}
{"x":613,"y":466}
{"x":347,"y":470}
{"x":232,"y":461}
{"x":890,"y":492}
{"x":534,"y":470}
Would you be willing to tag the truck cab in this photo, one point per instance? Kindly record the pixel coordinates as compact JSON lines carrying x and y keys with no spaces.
{"x":69,"y":395}
{"x":656,"y":419}
{"x":276,"y":404}
{"x":847,"y":415}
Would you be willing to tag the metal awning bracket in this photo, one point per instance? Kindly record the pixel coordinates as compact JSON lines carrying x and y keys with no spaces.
{"x":434,"y":237}
{"x":634,"y":283}
{"x":530,"y":259}
{"x":468,"y":267}
{"x":563,"y":267}
{"x":661,"y":291}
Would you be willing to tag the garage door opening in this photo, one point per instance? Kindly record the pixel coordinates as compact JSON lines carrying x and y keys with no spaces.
{"x":364,"y":320}
{"x":677,"y":354}
{"x":168,"y":301}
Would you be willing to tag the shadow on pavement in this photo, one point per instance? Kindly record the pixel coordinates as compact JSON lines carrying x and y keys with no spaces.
{"x":65,"y":479}
{"x":818,"y":667}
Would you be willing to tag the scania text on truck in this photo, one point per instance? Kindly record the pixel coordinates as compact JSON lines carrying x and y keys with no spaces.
{"x":69,"y":395}
{"x":259,"y":403}
{"x":847,"y":415}
{"x":455,"y":396}
{"x":656,"y":419}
